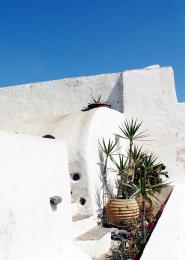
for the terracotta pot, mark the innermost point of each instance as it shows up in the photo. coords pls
(148, 206)
(122, 211)
(95, 105)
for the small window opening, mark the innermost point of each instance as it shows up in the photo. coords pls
(75, 176)
(49, 136)
(82, 201)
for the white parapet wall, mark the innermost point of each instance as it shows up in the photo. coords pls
(59, 97)
(33, 170)
(168, 238)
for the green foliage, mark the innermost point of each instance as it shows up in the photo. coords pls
(137, 172)
(131, 130)
(108, 149)
(97, 100)
(136, 168)
(132, 245)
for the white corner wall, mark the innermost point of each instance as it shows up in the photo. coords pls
(168, 238)
(149, 96)
(32, 170)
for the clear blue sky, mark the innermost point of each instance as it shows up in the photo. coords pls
(44, 40)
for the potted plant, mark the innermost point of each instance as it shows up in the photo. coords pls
(147, 184)
(119, 209)
(138, 176)
(95, 103)
(155, 175)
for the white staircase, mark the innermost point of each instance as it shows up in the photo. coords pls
(94, 241)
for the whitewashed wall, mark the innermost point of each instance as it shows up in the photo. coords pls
(168, 238)
(32, 170)
(149, 96)
(82, 132)
(59, 97)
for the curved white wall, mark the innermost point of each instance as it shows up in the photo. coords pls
(81, 131)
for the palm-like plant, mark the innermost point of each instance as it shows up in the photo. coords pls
(130, 130)
(137, 172)
(145, 185)
(126, 165)
(108, 149)
(122, 173)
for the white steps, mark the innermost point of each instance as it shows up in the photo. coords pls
(82, 223)
(95, 242)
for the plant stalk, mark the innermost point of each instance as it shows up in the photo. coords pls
(143, 220)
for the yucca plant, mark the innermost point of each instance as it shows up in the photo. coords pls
(130, 130)
(144, 185)
(122, 173)
(138, 173)
(125, 165)
(108, 149)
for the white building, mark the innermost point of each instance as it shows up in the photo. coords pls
(35, 168)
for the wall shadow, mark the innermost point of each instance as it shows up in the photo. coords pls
(116, 96)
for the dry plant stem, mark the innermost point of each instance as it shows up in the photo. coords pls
(103, 196)
(130, 153)
(143, 220)
(107, 190)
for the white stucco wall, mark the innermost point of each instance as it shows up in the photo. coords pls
(32, 170)
(168, 238)
(149, 95)
(59, 97)
(81, 131)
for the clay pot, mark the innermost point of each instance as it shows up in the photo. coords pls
(148, 206)
(122, 211)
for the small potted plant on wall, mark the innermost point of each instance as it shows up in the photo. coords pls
(95, 103)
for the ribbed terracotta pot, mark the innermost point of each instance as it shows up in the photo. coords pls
(122, 211)
(148, 206)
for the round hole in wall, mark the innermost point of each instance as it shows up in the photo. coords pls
(49, 136)
(82, 201)
(75, 176)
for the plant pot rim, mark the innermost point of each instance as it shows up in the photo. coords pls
(122, 199)
(98, 105)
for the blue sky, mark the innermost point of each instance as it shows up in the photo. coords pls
(45, 40)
